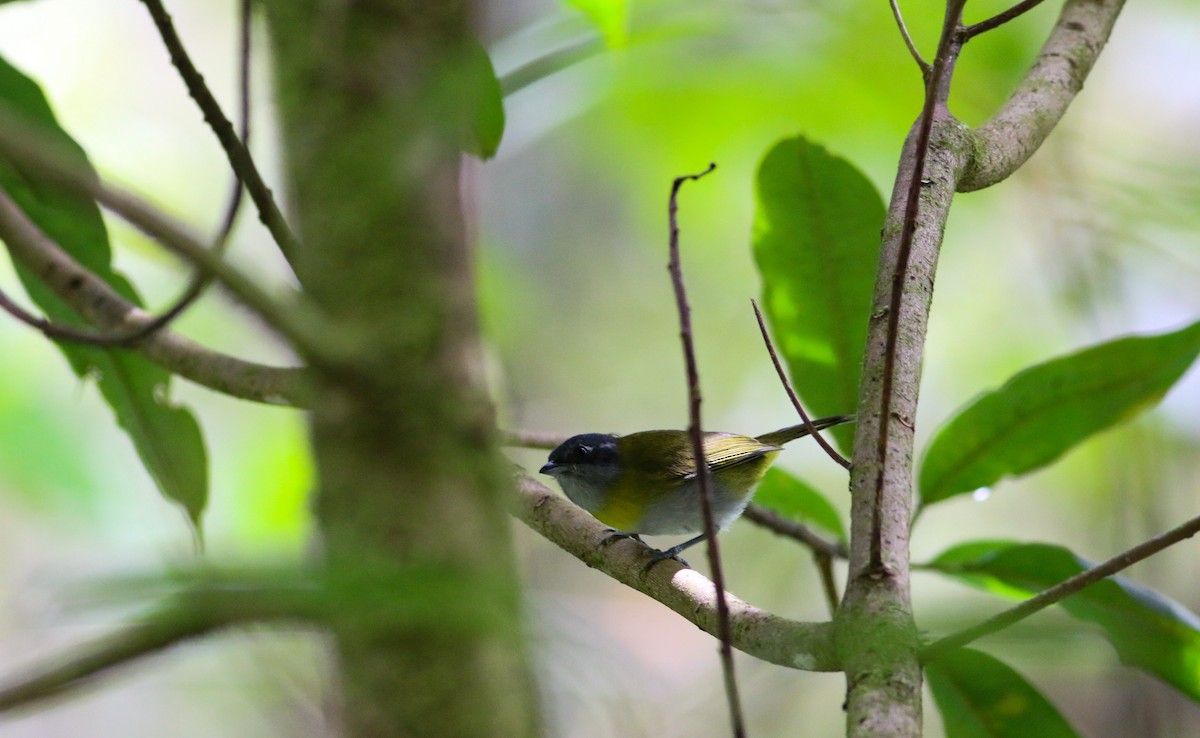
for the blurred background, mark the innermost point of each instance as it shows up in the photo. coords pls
(1094, 238)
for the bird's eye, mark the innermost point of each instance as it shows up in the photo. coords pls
(585, 451)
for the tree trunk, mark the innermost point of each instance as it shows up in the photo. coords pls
(411, 500)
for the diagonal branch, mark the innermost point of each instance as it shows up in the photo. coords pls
(912, 48)
(998, 20)
(1021, 125)
(806, 646)
(239, 156)
(1061, 591)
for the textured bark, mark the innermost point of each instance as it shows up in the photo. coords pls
(411, 485)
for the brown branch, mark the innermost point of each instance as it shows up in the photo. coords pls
(237, 153)
(908, 42)
(703, 474)
(807, 646)
(998, 20)
(776, 523)
(1061, 591)
(791, 393)
(99, 304)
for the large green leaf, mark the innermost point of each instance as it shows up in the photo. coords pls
(816, 241)
(981, 697)
(1044, 411)
(166, 437)
(797, 500)
(1148, 630)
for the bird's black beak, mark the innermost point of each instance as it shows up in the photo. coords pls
(550, 468)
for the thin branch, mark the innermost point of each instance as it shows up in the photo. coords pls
(1022, 124)
(791, 393)
(551, 63)
(201, 280)
(99, 304)
(238, 155)
(829, 586)
(703, 474)
(912, 48)
(1062, 590)
(188, 616)
(776, 523)
(936, 90)
(798, 645)
(973, 30)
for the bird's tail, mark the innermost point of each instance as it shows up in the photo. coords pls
(792, 432)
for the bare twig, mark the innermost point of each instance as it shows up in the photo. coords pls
(776, 523)
(912, 48)
(973, 30)
(703, 474)
(936, 90)
(99, 304)
(201, 280)
(828, 583)
(239, 156)
(1062, 590)
(791, 393)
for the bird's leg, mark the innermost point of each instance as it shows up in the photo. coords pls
(672, 553)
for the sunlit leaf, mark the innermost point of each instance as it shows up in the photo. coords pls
(1044, 411)
(610, 16)
(1148, 630)
(797, 500)
(981, 697)
(166, 437)
(816, 241)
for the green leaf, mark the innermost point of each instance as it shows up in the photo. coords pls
(797, 500)
(1148, 630)
(611, 17)
(1044, 411)
(166, 437)
(981, 697)
(816, 241)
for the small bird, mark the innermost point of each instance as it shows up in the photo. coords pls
(646, 482)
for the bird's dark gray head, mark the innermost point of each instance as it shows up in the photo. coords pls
(584, 452)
